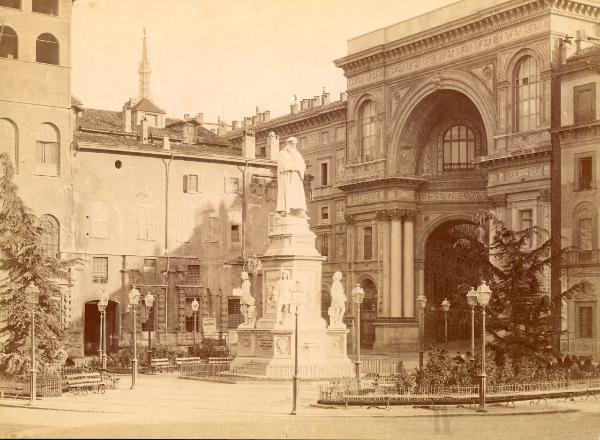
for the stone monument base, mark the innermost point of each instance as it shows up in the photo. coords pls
(270, 353)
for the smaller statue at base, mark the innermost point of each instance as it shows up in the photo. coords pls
(282, 293)
(338, 302)
(251, 313)
(246, 300)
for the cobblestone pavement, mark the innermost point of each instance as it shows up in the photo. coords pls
(166, 406)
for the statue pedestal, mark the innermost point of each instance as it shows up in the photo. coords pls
(269, 348)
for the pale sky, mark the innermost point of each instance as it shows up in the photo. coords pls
(221, 57)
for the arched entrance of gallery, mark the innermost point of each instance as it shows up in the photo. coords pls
(91, 329)
(449, 270)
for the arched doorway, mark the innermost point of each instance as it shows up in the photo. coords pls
(449, 270)
(368, 314)
(91, 333)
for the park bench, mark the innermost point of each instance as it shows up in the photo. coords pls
(13, 388)
(185, 361)
(219, 360)
(160, 364)
(84, 382)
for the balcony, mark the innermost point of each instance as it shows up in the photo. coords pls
(574, 258)
(459, 166)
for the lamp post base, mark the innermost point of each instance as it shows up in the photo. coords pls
(32, 386)
(133, 373)
(481, 408)
(357, 366)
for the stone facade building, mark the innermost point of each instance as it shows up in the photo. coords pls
(580, 149)
(446, 113)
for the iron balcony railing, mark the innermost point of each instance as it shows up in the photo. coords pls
(581, 257)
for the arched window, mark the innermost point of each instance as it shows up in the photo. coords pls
(368, 132)
(458, 146)
(9, 139)
(50, 236)
(585, 227)
(47, 152)
(45, 6)
(9, 43)
(46, 49)
(526, 94)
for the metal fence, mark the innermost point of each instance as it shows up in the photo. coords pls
(379, 365)
(387, 386)
(45, 386)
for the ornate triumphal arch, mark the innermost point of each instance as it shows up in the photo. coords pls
(447, 113)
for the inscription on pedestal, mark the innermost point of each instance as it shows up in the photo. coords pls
(264, 344)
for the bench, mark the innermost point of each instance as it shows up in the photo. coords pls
(84, 382)
(182, 362)
(219, 360)
(14, 388)
(160, 364)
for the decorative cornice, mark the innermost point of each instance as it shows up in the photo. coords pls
(513, 156)
(411, 182)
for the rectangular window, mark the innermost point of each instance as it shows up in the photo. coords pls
(324, 214)
(585, 234)
(191, 183)
(211, 228)
(324, 173)
(193, 273)
(325, 137)
(323, 244)
(235, 233)
(584, 103)
(367, 243)
(234, 315)
(585, 321)
(184, 228)
(526, 222)
(232, 185)
(99, 220)
(100, 270)
(302, 142)
(146, 223)
(46, 157)
(149, 271)
(11, 3)
(45, 6)
(585, 173)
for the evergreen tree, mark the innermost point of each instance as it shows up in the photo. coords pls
(24, 262)
(519, 313)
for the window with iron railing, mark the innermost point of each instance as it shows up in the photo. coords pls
(100, 270)
(458, 148)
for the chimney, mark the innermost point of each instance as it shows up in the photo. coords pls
(235, 125)
(166, 143)
(580, 36)
(186, 116)
(294, 108)
(325, 97)
(248, 144)
(272, 150)
(343, 96)
(127, 117)
(254, 120)
(316, 101)
(257, 110)
(144, 131)
(267, 114)
(200, 118)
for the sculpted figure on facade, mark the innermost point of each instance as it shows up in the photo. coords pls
(282, 293)
(291, 167)
(246, 299)
(338, 301)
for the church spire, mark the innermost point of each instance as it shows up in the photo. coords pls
(144, 72)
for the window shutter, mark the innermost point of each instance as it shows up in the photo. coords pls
(185, 183)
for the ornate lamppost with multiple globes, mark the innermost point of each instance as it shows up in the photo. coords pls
(134, 299)
(298, 298)
(472, 301)
(102, 304)
(149, 302)
(422, 300)
(483, 298)
(358, 294)
(195, 307)
(33, 294)
(445, 308)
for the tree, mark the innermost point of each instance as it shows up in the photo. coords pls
(514, 262)
(24, 263)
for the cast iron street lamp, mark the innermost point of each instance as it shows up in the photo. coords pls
(195, 307)
(483, 298)
(298, 300)
(134, 299)
(102, 304)
(472, 301)
(149, 301)
(422, 300)
(34, 292)
(445, 308)
(358, 294)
